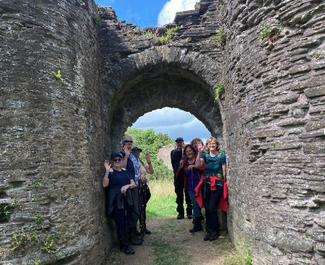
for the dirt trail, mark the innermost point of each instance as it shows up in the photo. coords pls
(171, 243)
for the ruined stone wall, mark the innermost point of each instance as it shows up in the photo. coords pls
(54, 134)
(50, 132)
(274, 125)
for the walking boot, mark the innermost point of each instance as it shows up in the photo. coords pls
(189, 214)
(214, 236)
(180, 216)
(133, 239)
(207, 236)
(127, 249)
(197, 226)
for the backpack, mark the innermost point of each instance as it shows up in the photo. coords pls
(220, 153)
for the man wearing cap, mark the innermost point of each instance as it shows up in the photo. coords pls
(176, 156)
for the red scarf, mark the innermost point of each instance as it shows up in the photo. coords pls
(223, 202)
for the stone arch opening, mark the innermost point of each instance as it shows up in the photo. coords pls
(168, 77)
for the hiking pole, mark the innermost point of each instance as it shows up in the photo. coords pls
(126, 217)
(142, 210)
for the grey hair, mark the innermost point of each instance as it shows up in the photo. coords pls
(125, 137)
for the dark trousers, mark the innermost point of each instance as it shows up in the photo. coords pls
(136, 201)
(122, 220)
(211, 201)
(179, 190)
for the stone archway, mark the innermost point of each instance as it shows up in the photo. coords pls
(162, 76)
(55, 128)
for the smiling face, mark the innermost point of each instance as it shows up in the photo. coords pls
(212, 144)
(116, 162)
(189, 152)
(128, 142)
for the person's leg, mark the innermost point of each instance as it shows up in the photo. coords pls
(134, 217)
(179, 187)
(197, 217)
(207, 193)
(120, 219)
(189, 205)
(213, 206)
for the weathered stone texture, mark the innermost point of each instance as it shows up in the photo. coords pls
(50, 133)
(279, 86)
(55, 134)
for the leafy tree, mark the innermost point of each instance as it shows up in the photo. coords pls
(151, 142)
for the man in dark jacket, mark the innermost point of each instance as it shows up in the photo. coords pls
(176, 156)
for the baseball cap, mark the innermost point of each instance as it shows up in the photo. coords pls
(134, 149)
(179, 139)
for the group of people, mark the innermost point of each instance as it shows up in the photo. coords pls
(199, 173)
(127, 193)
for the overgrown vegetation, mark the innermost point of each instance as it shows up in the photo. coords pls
(57, 75)
(164, 38)
(5, 212)
(241, 256)
(218, 39)
(150, 142)
(219, 91)
(265, 32)
(97, 20)
(39, 238)
(81, 2)
(269, 34)
(38, 183)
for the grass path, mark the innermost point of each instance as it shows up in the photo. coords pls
(172, 244)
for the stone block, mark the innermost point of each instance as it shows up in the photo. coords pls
(315, 91)
(293, 243)
(270, 133)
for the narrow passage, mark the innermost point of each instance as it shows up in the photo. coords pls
(171, 243)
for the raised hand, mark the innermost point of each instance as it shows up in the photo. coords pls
(127, 150)
(200, 146)
(107, 165)
(148, 159)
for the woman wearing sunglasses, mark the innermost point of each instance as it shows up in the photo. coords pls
(130, 162)
(118, 183)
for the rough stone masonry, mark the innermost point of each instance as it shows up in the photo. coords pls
(73, 77)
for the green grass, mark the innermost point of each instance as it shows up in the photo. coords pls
(162, 202)
(166, 253)
(240, 256)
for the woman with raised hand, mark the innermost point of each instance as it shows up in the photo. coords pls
(118, 183)
(214, 177)
(144, 188)
(192, 175)
(130, 162)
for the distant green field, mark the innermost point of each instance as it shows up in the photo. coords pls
(162, 202)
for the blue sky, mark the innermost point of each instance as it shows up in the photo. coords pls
(152, 13)
(148, 13)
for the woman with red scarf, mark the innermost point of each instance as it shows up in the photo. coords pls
(192, 176)
(214, 186)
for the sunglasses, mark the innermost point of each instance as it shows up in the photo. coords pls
(117, 160)
(128, 141)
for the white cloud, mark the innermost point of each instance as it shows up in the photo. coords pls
(174, 122)
(167, 14)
